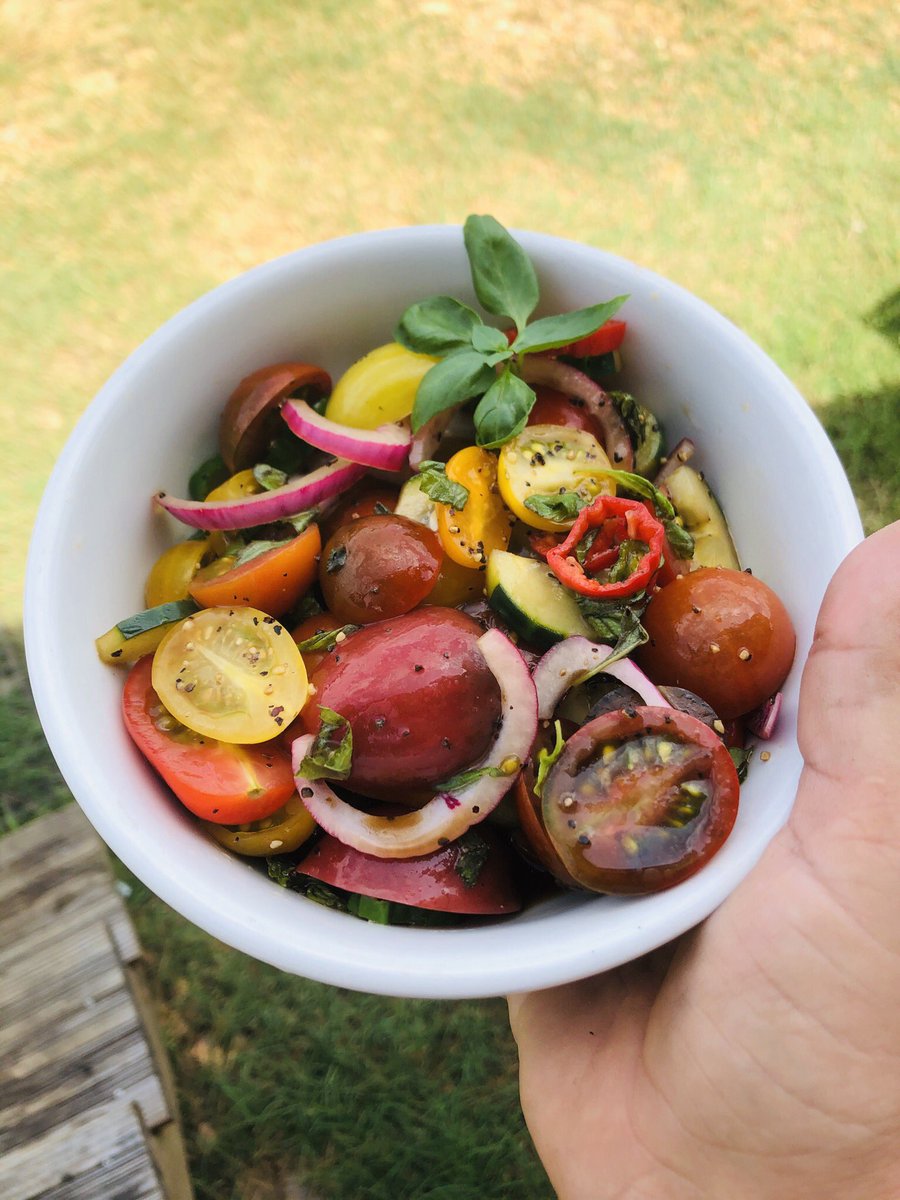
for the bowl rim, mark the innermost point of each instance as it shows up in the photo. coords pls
(418, 974)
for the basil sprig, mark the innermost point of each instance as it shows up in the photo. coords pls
(434, 483)
(471, 351)
(331, 753)
(561, 506)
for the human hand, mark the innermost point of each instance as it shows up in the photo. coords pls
(759, 1057)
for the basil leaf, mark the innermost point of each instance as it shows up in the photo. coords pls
(741, 759)
(503, 410)
(473, 853)
(561, 507)
(456, 783)
(450, 383)
(302, 520)
(336, 559)
(254, 550)
(488, 340)
(330, 754)
(546, 759)
(434, 483)
(680, 540)
(617, 623)
(551, 332)
(326, 640)
(268, 477)
(309, 606)
(437, 326)
(502, 274)
(208, 476)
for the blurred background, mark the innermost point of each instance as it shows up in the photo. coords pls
(151, 150)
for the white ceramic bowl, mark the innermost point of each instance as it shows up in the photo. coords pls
(782, 488)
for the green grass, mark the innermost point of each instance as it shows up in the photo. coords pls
(151, 150)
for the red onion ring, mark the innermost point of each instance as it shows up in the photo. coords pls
(445, 817)
(547, 372)
(386, 447)
(297, 494)
(576, 659)
(425, 443)
(764, 719)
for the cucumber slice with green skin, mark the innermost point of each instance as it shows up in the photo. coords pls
(136, 636)
(703, 519)
(645, 432)
(413, 504)
(531, 600)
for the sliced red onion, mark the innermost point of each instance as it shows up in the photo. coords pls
(574, 660)
(679, 456)
(425, 443)
(762, 722)
(386, 447)
(445, 817)
(547, 372)
(297, 494)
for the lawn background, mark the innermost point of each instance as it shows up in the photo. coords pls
(149, 151)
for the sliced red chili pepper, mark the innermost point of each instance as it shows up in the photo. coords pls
(616, 520)
(604, 340)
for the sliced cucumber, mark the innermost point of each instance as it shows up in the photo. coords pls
(532, 601)
(703, 519)
(136, 636)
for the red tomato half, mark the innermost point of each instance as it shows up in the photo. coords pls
(431, 881)
(556, 408)
(639, 800)
(223, 783)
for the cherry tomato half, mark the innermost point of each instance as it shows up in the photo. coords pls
(639, 800)
(378, 567)
(364, 499)
(251, 414)
(722, 634)
(431, 882)
(272, 581)
(218, 781)
(283, 831)
(556, 408)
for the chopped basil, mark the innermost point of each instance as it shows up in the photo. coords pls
(434, 483)
(331, 753)
(281, 871)
(268, 477)
(381, 510)
(457, 782)
(207, 476)
(741, 759)
(561, 507)
(546, 759)
(472, 853)
(336, 559)
(616, 622)
(326, 640)
(255, 549)
(152, 618)
(302, 520)
(309, 606)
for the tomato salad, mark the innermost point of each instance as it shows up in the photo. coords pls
(456, 630)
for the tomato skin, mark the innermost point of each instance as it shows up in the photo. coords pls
(733, 611)
(212, 779)
(430, 882)
(531, 822)
(556, 408)
(616, 807)
(420, 699)
(319, 623)
(469, 534)
(378, 567)
(273, 581)
(251, 412)
(360, 501)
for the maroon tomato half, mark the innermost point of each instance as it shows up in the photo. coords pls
(420, 699)
(432, 881)
(722, 634)
(378, 567)
(364, 499)
(639, 800)
(223, 783)
(531, 821)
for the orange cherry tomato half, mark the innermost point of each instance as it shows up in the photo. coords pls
(273, 581)
(218, 781)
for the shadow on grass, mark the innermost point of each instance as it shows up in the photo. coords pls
(30, 783)
(865, 431)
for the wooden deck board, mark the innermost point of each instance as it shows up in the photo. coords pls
(87, 1110)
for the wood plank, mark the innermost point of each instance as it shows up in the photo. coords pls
(87, 1104)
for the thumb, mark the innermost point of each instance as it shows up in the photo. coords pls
(847, 815)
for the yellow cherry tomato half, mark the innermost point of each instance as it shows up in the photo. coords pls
(172, 573)
(378, 388)
(280, 833)
(242, 484)
(234, 674)
(470, 534)
(547, 460)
